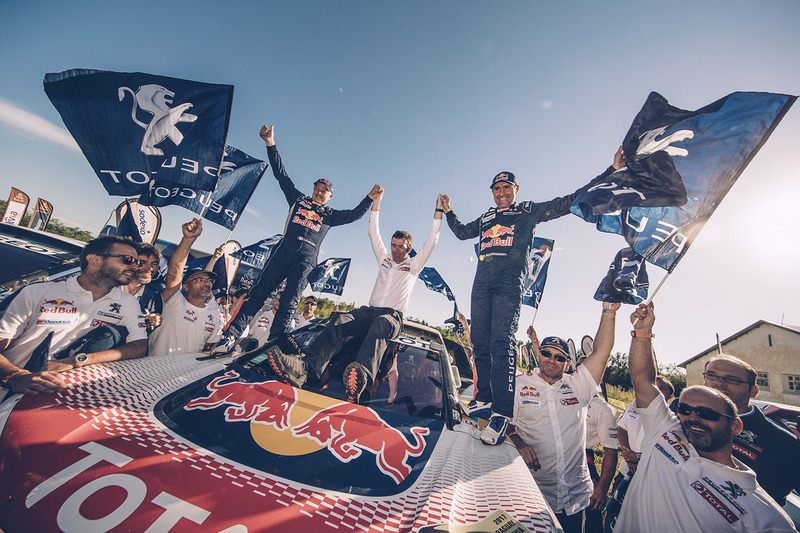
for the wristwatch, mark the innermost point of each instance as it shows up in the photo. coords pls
(80, 360)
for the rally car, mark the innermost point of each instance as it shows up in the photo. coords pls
(188, 443)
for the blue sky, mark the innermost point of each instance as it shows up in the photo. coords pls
(428, 97)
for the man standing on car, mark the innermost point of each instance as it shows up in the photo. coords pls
(770, 450)
(377, 323)
(188, 320)
(687, 479)
(505, 233)
(295, 256)
(549, 427)
(70, 309)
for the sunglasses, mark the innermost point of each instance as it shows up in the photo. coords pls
(703, 412)
(730, 380)
(127, 259)
(557, 357)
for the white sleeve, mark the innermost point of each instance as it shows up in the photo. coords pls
(18, 314)
(378, 247)
(607, 426)
(419, 260)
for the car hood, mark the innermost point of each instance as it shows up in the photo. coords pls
(162, 443)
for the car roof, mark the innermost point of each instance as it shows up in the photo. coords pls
(28, 251)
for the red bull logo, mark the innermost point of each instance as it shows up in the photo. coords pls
(58, 305)
(344, 429)
(308, 218)
(494, 236)
(347, 430)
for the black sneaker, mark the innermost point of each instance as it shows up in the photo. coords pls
(290, 369)
(355, 381)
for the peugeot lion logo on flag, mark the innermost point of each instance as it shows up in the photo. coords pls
(154, 99)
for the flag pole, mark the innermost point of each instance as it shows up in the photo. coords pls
(113, 211)
(650, 298)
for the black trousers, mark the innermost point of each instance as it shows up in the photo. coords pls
(378, 325)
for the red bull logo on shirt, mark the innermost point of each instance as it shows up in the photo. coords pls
(58, 305)
(308, 218)
(497, 235)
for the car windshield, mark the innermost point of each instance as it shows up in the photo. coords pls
(408, 382)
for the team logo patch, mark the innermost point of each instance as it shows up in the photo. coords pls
(58, 306)
(677, 443)
(746, 452)
(666, 454)
(154, 99)
(569, 401)
(715, 502)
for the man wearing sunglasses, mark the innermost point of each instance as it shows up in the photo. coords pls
(73, 310)
(687, 478)
(549, 425)
(770, 450)
(188, 321)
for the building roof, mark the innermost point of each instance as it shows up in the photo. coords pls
(787, 327)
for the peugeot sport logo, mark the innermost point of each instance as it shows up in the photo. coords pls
(155, 99)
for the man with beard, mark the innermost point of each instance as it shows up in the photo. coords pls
(770, 450)
(70, 309)
(377, 323)
(549, 426)
(188, 322)
(696, 485)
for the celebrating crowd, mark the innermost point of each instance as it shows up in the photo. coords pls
(714, 464)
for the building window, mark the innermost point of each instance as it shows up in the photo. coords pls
(762, 380)
(793, 384)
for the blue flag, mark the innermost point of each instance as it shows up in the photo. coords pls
(329, 276)
(256, 255)
(432, 280)
(680, 166)
(135, 127)
(536, 273)
(626, 281)
(127, 226)
(238, 179)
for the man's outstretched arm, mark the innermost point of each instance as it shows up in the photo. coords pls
(641, 360)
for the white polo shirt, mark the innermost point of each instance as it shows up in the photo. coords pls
(184, 327)
(601, 424)
(552, 419)
(396, 280)
(261, 325)
(630, 422)
(675, 489)
(69, 311)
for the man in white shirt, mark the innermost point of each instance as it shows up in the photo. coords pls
(188, 322)
(687, 479)
(549, 425)
(302, 319)
(377, 323)
(69, 309)
(259, 328)
(601, 428)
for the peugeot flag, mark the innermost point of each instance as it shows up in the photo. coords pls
(536, 274)
(256, 255)
(135, 127)
(681, 165)
(434, 281)
(626, 281)
(329, 276)
(238, 179)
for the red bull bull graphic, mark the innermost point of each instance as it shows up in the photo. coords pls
(347, 429)
(300, 435)
(494, 236)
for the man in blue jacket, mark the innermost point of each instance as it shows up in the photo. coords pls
(505, 234)
(295, 256)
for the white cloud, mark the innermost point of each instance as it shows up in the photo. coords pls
(547, 104)
(35, 125)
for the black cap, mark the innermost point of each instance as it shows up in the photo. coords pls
(504, 176)
(557, 343)
(192, 272)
